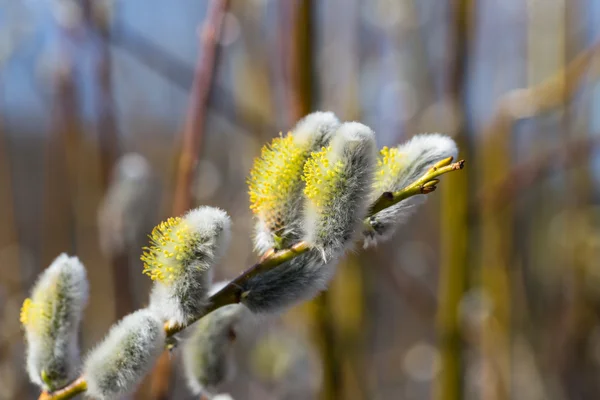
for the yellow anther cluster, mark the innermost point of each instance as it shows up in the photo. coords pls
(322, 177)
(389, 164)
(26, 311)
(36, 315)
(172, 245)
(274, 179)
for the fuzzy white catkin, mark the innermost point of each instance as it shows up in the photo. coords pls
(51, 320)
(290, 283)
(310, 134)
(184, 297)
(118, 364)
(413, 159)
(207, 353)
(332, 217)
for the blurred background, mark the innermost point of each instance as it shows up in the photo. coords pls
(115, 114)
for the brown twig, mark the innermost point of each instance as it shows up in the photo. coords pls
(192, 134)
(194, 125)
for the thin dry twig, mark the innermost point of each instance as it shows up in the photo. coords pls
(194, 125)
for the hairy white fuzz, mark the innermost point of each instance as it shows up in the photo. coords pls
(181, 259)
(118, 364)
(338, 181)
(51, 320)
(397, 168)
(290, 283)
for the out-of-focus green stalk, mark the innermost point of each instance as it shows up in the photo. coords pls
(495, 257)
(453, 279)
(454, 223)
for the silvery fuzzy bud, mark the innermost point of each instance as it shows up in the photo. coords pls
(290, 283)
(287, 363)
(275, 184)
(51, 320)
(127, 205)
(207, 353)
(397, 168)
(180, 261)
(338, 181)
(118, 364)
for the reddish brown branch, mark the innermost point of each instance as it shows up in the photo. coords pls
(194, 124)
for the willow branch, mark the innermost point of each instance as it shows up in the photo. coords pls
(232, 293)
(78, 386)
(425, 184)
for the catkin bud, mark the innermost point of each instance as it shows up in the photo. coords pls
(179, 260)
(127, 206)
(275, 184)
(207, 353)
(338, 180)
(397, 168)
(117, 365)
(292, 282)
(51, 320)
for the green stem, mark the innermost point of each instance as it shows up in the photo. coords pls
(76, 387)
(425, 184)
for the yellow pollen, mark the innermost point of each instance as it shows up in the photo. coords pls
(389, 165)
(36, 315)
(322, 177)
(275, 179)
(172, 245)
(26, 312)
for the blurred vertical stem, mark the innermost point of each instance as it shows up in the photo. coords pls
(191, 140)
(11, 270)
(108, 141)
(580, 318)
(60, 181)
(454, 221)
(495, 256)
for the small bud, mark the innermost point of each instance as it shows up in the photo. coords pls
(292, 282)
(275, 184)
(180, 259)
(397, 168)
(338, 180)
(117, 365)
(207, 353)
(51, 320)
(127, 206)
